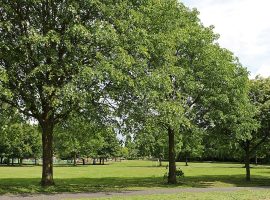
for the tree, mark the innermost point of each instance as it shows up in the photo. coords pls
(259, 95)
(246, 127)
(188, 78)
(111, 145)
(152, 142)
(53, 53)
(82, 137)
(5, 114)
(77, 136)
(191, 143)
(19, 139)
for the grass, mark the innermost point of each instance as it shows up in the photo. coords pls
(128, 175)
(239, 195)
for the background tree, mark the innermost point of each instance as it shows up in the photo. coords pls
(19, 139)
(260, 98)
(151, 142)
(81, 137)
(191, 143)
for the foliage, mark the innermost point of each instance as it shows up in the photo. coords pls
(19, 139)
(79, 137)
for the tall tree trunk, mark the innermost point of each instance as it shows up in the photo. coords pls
(83, 161)
(21, 161)
(94, 161)
(172, 165)
(1, 160)
(47, 153)
(247, 165)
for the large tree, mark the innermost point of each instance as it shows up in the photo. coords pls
(53, 53)
(189, 79)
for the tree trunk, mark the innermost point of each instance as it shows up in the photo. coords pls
(74, 159)
(1, 160)
(160, 162)
(100, 161)
(83, 161)
(35, 161)
(94, 161)
(103, 159)
(247, 165)
(21, 161)
(256, 159)
(172, 165)
(186, 160)
(12, 161)
(47, 153)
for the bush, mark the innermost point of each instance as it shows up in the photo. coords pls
(179, 174)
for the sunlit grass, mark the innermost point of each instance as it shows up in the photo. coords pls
(128, 175)
(239, 195)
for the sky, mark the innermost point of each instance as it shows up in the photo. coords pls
(244, 28)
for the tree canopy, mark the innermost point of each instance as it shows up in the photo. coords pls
(146, 65)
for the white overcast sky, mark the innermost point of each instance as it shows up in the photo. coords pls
(244, 28)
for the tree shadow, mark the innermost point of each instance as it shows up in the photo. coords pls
(75, 185)
(19, 166)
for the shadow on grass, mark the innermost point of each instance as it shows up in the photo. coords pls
(19, 166)
(74, 185)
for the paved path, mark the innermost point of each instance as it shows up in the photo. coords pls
(124, 193)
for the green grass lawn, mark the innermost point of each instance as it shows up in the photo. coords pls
(128, 175)
(239, 195)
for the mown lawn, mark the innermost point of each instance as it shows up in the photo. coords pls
(128, 175)
(239, 195)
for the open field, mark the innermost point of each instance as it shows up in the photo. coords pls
(239, 195)
(128, 175)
